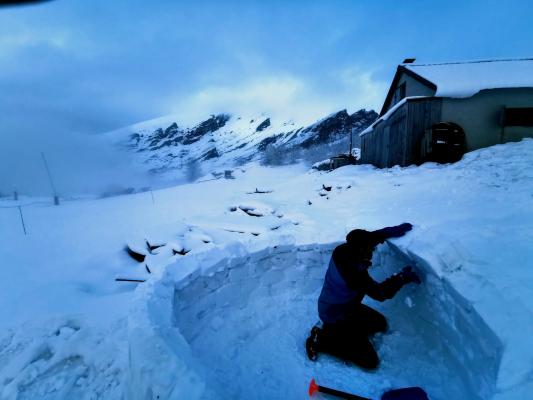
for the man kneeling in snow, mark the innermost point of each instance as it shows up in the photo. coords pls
(347, 322)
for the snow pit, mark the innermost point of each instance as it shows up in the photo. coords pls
(245, 323)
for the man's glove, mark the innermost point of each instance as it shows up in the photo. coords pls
(405, 227)
(381, 235)
(408, 275)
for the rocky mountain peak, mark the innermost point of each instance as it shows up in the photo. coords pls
(338, 125)
(222, 140)
(263, 125)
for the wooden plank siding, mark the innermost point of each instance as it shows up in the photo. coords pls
(422, 115)
(397, 140)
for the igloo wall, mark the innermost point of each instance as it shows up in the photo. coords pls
(246, 321)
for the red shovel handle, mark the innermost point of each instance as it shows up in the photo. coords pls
(411, 393)
(313, 388)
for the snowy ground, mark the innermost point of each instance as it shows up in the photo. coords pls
(228, 319)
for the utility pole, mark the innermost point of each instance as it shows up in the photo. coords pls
(56, 197)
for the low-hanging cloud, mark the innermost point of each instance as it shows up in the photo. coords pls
(286, 96)
(87, 163)
(79, 164)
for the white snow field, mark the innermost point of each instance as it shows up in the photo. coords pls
(232, 279)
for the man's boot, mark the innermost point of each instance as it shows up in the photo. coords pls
(311, 344)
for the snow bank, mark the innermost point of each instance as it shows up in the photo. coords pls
(62, 357)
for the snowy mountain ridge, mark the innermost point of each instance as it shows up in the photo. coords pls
(227, 140)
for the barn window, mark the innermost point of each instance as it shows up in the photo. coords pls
(518, 116)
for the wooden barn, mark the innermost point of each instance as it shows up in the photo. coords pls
(437, 112)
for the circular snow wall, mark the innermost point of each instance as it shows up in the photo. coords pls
(246, 324)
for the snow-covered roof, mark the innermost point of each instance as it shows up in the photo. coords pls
(464, 79)
(391, 111)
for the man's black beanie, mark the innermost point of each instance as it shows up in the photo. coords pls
(360, 237)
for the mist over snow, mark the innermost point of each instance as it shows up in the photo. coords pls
(79, 164)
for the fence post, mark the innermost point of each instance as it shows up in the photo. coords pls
(22, 220)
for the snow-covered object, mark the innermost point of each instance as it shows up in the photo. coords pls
(464, 79)
(322, 165)
(387, 115)
(139, 246)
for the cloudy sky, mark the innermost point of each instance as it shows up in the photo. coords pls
(70, 69)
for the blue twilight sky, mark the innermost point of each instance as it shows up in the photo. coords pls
(70, 68)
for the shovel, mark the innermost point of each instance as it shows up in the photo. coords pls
(410, 393)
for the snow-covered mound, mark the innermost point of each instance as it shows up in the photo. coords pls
(227, 140)
(233, 269)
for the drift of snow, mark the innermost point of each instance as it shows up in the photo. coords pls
(229, 318)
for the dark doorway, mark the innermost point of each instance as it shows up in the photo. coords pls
(447, 143)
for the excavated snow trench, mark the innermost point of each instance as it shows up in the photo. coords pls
(247, 325)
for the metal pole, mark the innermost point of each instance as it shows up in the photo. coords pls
(56, 198)
(130, 280)
(351, 142)
(22, 220)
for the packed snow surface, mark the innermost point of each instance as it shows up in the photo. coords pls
(233, 274)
